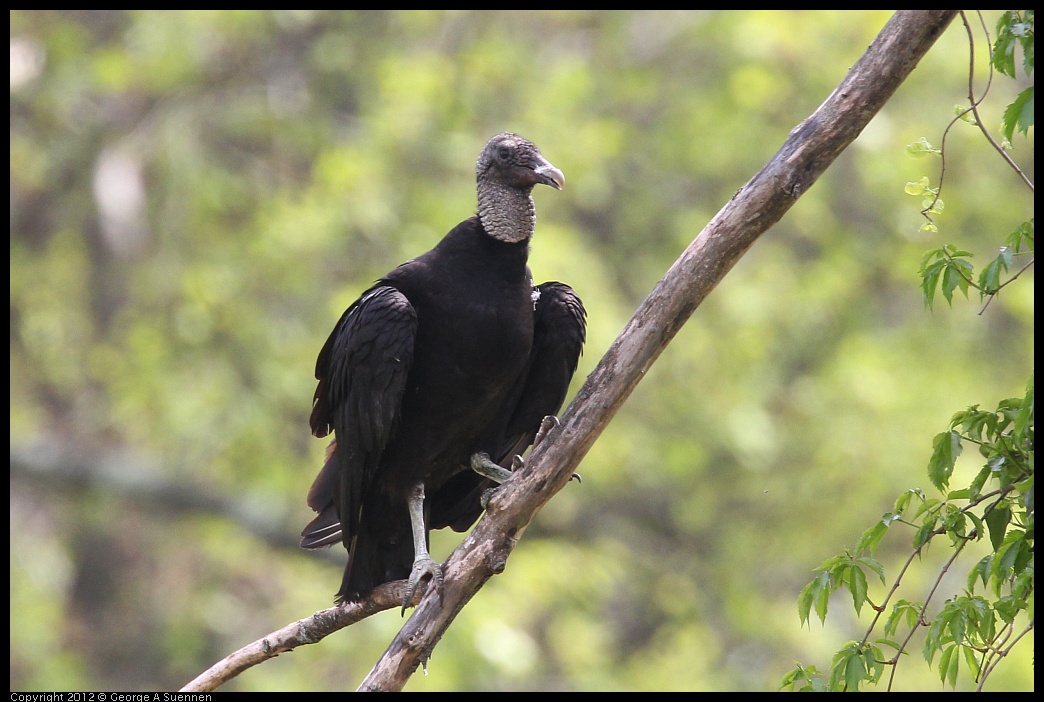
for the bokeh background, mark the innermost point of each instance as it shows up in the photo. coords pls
(196, 197)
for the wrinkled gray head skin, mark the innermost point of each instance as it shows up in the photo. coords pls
(508, 168)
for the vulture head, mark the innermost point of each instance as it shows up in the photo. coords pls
(508, 168)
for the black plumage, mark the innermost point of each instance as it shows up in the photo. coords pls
(450, 358)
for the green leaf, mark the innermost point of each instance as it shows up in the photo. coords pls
(921, 148)
(983, 621)
(1007, 256)
(903, 611)
(972, 661)
(931, 642)
(872, 536)
(933, 205)
(980, 480)
(857, 586)
(855, 672)
(803, 679)
(1013, 554)
(979, 532)
(965, 114)
(952, 280)
(926, 532)
(1004, 53)
(948, 665)
(1019, 114)
(839, 667)
(918, 187)
(1023, 558)
(929, 505)
(1024, 417)
(891, 643)
(957, 621)
(874, 566)
(990, 277)
(980, 571)
(955, 524)
(815, 594)
(805, 601)
(930, 282)
(1013, 27)
(833, 562)
(821, 600)
(949, 264)
(997, 521)
(903, 501)
(946, 447)
(1020, 235)
(955, 252)
(872, 656)
(973, 421)
(1007, 608)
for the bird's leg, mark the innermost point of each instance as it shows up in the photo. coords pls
(423, 565)
(482, 464)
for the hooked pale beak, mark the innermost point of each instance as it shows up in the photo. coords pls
(549, 175)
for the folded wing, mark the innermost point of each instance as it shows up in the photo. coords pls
(362, 371)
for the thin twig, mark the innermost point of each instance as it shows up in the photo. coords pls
(924, 607)
(1002, 654)
(993, 293)
(975, 104)
(306, 631)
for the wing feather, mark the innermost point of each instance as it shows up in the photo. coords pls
(559, 331)
(362, 371)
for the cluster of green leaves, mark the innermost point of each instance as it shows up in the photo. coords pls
(1015, 27)
(931, 203)
(980, 629)
(948, 265)
(948, 268)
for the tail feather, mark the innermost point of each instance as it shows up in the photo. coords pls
(377, 555)
(380, 551)
(324, 530)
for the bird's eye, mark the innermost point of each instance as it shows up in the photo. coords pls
(504, 153)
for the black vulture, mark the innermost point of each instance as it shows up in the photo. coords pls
(436, 378)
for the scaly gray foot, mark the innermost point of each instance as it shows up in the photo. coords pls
(482, 464)
(423, 569)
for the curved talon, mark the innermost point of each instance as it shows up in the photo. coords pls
(423, 568)
(517, 463)
(546, 425)
(576, 477)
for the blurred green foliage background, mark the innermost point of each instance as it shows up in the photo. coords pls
(197, 195)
